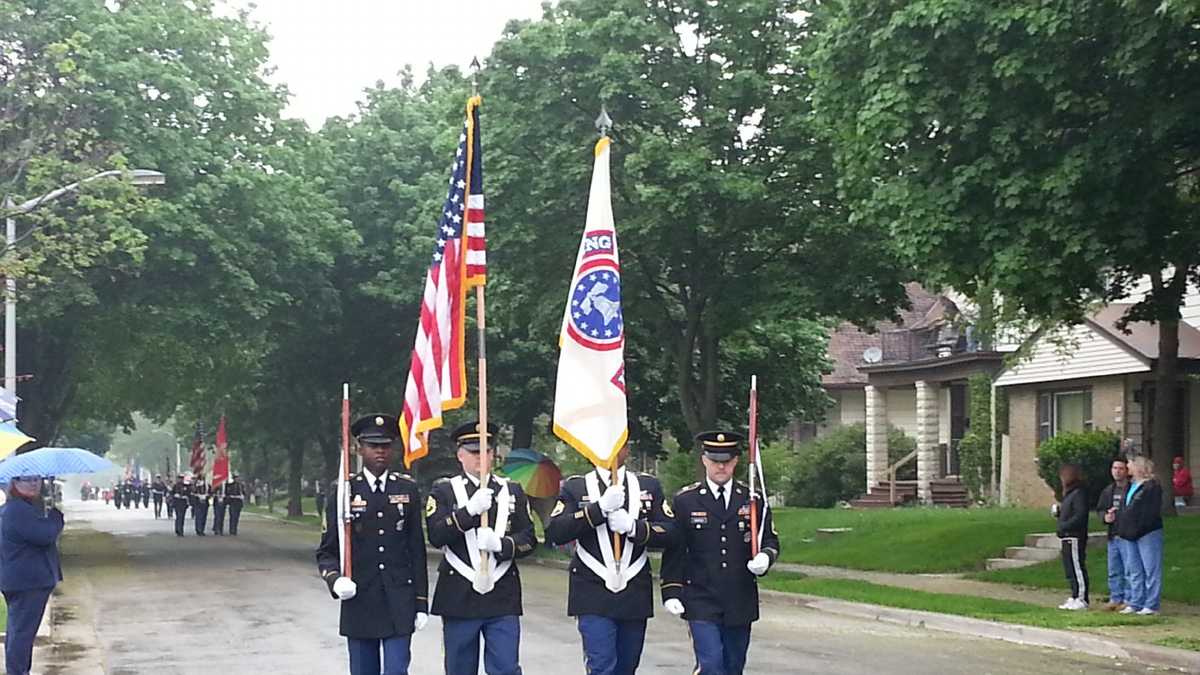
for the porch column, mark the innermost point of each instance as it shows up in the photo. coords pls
(927, 438)
(877, 443)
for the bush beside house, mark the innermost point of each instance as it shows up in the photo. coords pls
(833, 468)
(1093, 450)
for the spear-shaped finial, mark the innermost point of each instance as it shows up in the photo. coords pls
(603, 121)
(475, 76)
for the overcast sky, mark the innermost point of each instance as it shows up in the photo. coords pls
(328, 51)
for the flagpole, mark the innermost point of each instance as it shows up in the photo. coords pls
(753, 463)
(344, 481)
(485, 460)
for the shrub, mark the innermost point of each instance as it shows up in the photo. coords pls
(1093, 450)
(833, 468)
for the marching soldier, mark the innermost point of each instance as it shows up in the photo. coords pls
(610, 596)
(158, 490)
(181, 495)
(710, 578)
(218, 502)
(200, 494)
(386, 598)
(235, 497)
(145, 494)
(471, 599)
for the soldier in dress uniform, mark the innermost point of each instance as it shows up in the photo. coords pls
(235, 498)
(218, 505)
(181, 495)
(158, 490)
(386, 598)
(145, 494)
(610, 597)
(200, 495)
(710, 577)
(472, 605)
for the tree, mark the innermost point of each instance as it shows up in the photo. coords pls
(732, 241)
(1048, 150)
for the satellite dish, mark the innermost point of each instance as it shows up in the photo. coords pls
(872, 355)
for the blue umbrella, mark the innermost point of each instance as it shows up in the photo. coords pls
(52, 462)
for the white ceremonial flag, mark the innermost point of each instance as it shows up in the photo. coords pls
(589, 397)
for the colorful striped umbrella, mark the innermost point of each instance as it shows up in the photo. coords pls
(536, 473)
(11, 438)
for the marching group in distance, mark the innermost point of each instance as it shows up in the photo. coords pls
(187, 492)
(709, 572)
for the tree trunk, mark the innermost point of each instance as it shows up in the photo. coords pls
(1166, 396)
(295, 469)
(522, 430)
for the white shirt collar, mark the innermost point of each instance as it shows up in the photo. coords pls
(728, 489)
(474, 479)
(371, 479)
(606, 475)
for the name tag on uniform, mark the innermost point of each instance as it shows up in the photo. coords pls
(398, 499)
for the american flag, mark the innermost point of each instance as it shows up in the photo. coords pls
(197, 459)
(437, 378)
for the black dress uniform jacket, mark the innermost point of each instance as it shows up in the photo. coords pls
(181, 494)
(707, 570)
(387, 543)
(575, 518)
(454, 595)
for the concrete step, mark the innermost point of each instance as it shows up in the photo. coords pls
(1008, 563)
(1049, 540)
(1030, 553)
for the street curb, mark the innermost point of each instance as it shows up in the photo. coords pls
(1179, 659)
(1164, 657)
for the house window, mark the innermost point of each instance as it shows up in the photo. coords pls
(1064, 411)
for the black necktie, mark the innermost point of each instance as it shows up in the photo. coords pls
(378, 485)
(721, 496)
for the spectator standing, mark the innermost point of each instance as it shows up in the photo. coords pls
(1140, 525)
(1107, 507)
(1181, 480)
(29, 568)
(1073, 531)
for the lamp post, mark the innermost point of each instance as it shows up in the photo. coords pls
(138, 177)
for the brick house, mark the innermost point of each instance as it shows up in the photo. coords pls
(1093, 376)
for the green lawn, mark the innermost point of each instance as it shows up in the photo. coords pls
(947, 603)
(912, 540)
(1181, 566)
(1180, 643)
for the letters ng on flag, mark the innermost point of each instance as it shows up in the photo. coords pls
(589, 397)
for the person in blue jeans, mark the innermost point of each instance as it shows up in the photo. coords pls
(29, 567)
(1140, 527)
(1107, 507)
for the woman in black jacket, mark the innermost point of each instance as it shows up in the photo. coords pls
(1073, 531)
(1140, 526)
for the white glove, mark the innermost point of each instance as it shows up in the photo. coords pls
(345, 588)
(1054, 510)
(674, 606)
(621, 522)
(487, 539)
(421, 620)
(480, 502)
(758, 564)
(612, 499)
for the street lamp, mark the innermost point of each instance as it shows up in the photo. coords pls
(138, 177)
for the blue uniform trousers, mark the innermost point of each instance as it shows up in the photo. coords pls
(720, 649)
(364, 655)
(501, 645)
(25, 610)
(611, 646)
(200, 512)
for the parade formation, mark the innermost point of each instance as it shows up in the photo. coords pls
(716, 536)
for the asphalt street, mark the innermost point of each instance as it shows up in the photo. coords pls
(138, 599)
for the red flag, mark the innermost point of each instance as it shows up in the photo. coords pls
(221, 463)
(197, 461)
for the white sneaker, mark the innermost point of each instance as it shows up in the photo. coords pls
(1067, 603)
(1077, 605)
(1146, 611)
(1129, 610)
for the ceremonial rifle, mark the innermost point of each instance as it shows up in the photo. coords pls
(753, 464)
(343, 493)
